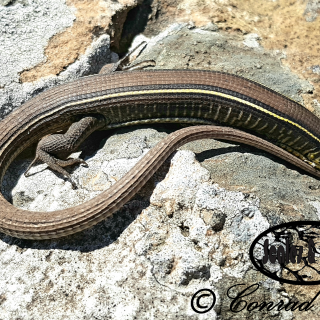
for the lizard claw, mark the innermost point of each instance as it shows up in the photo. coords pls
(124, 64)
(83, 162)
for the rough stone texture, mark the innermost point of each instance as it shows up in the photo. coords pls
(182, 46)
(191, 226)
(22, 45)
(312, 10)
(46, 43)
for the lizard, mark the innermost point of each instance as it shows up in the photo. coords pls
(218, 105)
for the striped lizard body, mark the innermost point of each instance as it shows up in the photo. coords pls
(266, 119)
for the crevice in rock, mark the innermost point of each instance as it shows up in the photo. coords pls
(135, 23)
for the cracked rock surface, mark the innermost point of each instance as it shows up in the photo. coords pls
(190, 227)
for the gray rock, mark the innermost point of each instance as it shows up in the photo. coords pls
(25, 30)
(181, 48)
(312, 10)
(189, 228)
(251, 41)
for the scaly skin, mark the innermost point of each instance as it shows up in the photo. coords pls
(127, 98)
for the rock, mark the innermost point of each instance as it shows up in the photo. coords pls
(49, 43)
(190, 227)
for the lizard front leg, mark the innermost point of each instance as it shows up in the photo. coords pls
(62, 145)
